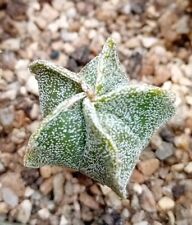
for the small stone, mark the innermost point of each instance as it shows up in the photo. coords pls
(138, 216)
(8, 75)
(45, 171)
(114, 200)
(22, 71)
(137, 177)
(54, 54)
(165, 150)
(2, 167)
(116, 36)
(147, 200)
(183, 142)
(69, 36)
(60, 23)
(34, 113)
(125, 213)
(86, 214)
(188, 168)
(156, 141)
(11, 44)
(141, 223)
(32, 86)
(95, 189)
(178, 190)
(7, 116)
(28, 192)
(47, 186)
(63, 221)
(4, 208)
(148, 42)
(133, 43)
(48, 13)
(58, 191)
(126, 8)
(166, 203)
(157, 223)
(69, 188)
(137, 188)
(9, 197)
(148, 167)
(106, 190)
(24, 211)
(162, 74)
(8, 181)
(182, 25)
(11, 91)
(18, 135)
(88, 201)
(44, 213)
(33, 126)
(178, 167)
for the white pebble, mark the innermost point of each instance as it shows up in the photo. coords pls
(188, 168)
(166, 203)
(32, 85)
(24, 211)
(44, 213)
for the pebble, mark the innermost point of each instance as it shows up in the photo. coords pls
(7, 116)
(137, 188)
(138, 216)
(188, 168)
(45, 171)
(58, 192)
(35, 112)
(88, 201)
(9, 197)
(137, 177)
(148, 167)
(125, 213)
(21, 69)
(48, 13)
(32, 86)
(12, 44)
(166, 203)
(4, 208)
(106, 190)
(178, 167)
(11, 91)
(28, 192)
(141, 223)
(165, 150)
(2, 167)
(8, 181)
(47, 186)
(148, 42)
(63, 221)
(182, 25)
(24, 211)
(162, 74)
(182, 141)
(69, 189)
(155, 50)
(18, 135)
(44, 213)
(147, 200)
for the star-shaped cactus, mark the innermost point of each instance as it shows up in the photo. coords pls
(95, 122)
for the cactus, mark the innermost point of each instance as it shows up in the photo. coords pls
(95, 121)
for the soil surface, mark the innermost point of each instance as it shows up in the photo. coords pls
(155, 46)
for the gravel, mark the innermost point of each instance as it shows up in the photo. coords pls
(154, 43)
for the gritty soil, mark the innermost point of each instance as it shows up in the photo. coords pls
(155, 46)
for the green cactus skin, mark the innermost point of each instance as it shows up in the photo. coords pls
(95, 121)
